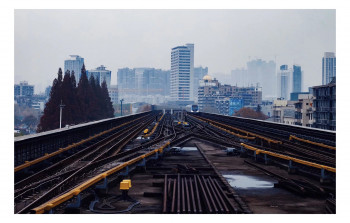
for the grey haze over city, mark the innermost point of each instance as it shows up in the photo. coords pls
(224, 40)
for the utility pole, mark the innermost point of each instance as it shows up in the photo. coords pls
(121, 107)
(61, 106)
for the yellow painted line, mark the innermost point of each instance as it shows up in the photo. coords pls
(77, 190)
(154, 128)
(60, 150)
(232, 133)
(243, 131)
(291, 137)
(304, 162)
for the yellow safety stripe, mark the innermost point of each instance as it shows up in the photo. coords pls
(245, 132)
(60, 150)
(154, 128)
(304, 162)
(291, 137)
(232, 133)
(77, 190)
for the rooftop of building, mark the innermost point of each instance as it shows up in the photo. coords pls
(329, 54)
(24, 83)
(330, 84)
(183, 47)
(100, 68)
(74, 57)
(207, 78)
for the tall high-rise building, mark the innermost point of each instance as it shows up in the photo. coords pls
(328, 67)
(143, 82)
(126, 78)
(239, 77)
(74, 63)
(182, 72)
(262, 73)
(166, 82)
(297, 78)
(101, 74)
(284, 83)
(155, 81)
(199, 73)
(140, 79)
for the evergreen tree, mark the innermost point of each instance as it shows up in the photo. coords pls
(86, 102)
(94, 103)
(73, 80)
(98, 93)
(71, 112)
(75, 103)
(51, 117)
(65, 98)
(83, 95)
(250, 113)
(106, 101)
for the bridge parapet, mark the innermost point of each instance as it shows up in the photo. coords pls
(317, 135)
(31, 147)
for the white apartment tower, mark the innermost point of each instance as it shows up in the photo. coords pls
(328, 67)
(74, 63)
(182, 73)
(284, 82)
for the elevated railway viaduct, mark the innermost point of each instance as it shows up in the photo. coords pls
(193, 165)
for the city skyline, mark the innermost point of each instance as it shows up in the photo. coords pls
(225, 39)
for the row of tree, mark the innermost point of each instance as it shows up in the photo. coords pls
(243, 112)
(87, 101)
(251, 113)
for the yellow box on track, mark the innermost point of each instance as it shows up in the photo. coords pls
(125, 185)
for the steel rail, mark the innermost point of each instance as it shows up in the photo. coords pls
(154, 128)
(274, 128)
(307, 163)
(95, 179)
(310, 153)
(78, 189)
(89, 151)
(53, 191)
(73, 145)
(244, 131)
(291, 137)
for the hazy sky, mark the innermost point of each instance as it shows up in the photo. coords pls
(224, 39)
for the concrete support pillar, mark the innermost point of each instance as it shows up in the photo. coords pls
(325, 178)
(267, 160)
(126, 172)
(243, 153)
(291, 168)
(76, 204)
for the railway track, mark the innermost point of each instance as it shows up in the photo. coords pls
(275, 128)
(82, 147)
(310, 162)
(74, 161)
(93, 162)
(191, 184)
(41, 186)
(196, 187)
(280, 130)
(318, 155)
